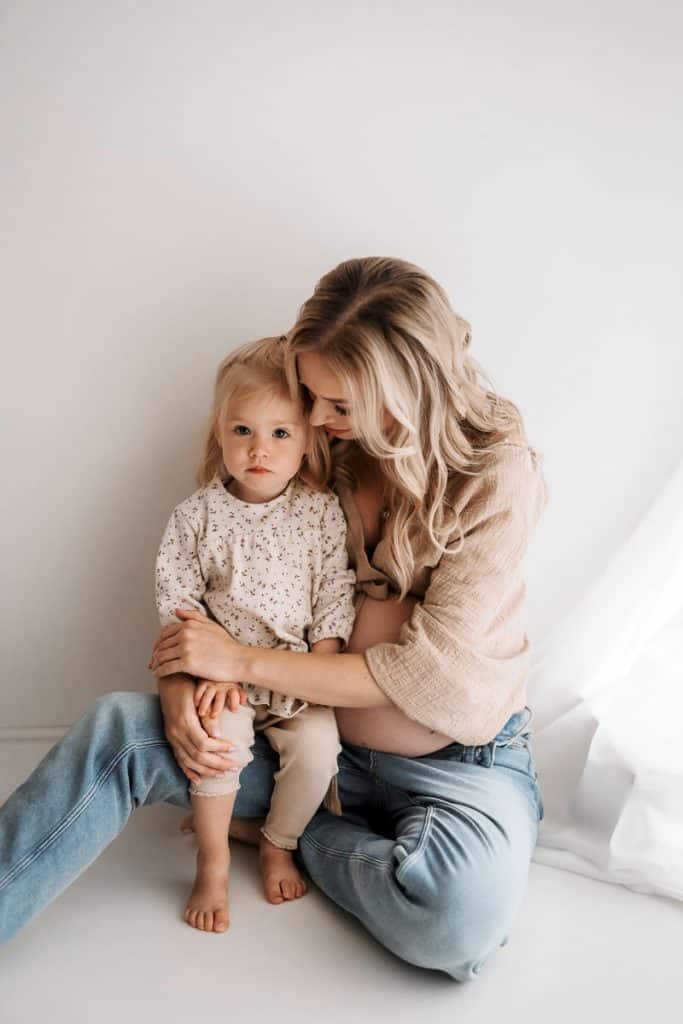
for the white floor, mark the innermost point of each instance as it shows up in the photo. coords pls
(114, 946)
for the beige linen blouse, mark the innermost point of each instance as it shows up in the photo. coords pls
(461, 662)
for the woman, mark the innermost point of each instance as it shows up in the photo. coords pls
(438, 791)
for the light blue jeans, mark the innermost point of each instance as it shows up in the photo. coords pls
(431, 855)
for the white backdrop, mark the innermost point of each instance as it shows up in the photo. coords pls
(607, 692)
(176, 176)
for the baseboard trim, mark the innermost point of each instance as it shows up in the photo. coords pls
(33, 732)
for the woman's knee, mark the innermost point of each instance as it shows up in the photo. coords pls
(463, 898)
(122, 716)
(445, 940)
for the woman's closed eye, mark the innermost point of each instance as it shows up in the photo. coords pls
(341, 410)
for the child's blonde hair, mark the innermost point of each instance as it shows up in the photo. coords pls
(258, 368)
(389, 333)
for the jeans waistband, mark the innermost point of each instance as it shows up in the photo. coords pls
(515, 733)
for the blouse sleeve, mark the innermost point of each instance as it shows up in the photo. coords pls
(464, 648)
(333, 591)
(179, 581)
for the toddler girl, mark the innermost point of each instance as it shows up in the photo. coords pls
(261, 549)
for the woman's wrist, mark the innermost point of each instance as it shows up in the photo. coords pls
(336, 680)
(165, 682)
(248, 667)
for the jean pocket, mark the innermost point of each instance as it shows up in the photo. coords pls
(515, 754)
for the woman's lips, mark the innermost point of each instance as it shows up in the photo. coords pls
(337, 433)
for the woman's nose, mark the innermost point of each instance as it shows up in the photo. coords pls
(318, 414)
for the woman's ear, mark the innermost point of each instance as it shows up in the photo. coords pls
(388, 421)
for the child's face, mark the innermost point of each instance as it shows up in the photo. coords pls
(263, 440)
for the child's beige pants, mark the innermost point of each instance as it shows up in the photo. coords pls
(308, 745)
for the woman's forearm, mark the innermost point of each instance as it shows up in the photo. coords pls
(337, 680)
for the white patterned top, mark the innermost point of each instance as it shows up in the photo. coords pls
(273, 574)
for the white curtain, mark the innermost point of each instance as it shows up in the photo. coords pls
(607, 695)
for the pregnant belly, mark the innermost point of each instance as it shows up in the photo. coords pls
(386, 729)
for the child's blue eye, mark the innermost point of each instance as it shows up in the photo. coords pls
(241, 430)
(281, 432)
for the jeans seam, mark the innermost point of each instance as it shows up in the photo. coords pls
(411, 859)
(344, 855)
(353, 771)
(76, 811)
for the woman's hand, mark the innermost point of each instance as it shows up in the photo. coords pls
(198, 754)
(198, 647)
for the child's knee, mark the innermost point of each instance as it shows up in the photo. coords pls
(319, 738)
(235, 726)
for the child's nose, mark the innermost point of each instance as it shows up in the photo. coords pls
(259, 449)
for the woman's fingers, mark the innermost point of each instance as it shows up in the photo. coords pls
(170, 641)
(190, 767)
(190, 613)
(170, 627)
(162, 657)
(210, 765)
(205, 750)
(170, 668)
(234, 702)
(167, 633)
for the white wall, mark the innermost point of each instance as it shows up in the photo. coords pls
(178, 175)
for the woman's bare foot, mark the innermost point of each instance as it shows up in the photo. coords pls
(281, 879)
(246, 830)
(207, 907)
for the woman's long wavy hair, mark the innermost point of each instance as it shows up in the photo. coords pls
(258, 368)
(389, 333)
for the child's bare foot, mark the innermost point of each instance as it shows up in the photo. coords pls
(281, 879)
(207, 907)
(187, 824)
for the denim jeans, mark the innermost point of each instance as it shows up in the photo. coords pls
(431, 854)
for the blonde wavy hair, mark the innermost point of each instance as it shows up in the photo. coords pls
(387, 330)
(258, 368)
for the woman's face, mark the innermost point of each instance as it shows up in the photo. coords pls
(331, 405)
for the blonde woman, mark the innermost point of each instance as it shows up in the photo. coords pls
(439, 798)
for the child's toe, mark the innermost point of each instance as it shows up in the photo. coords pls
(273, 891)
(220, 921)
